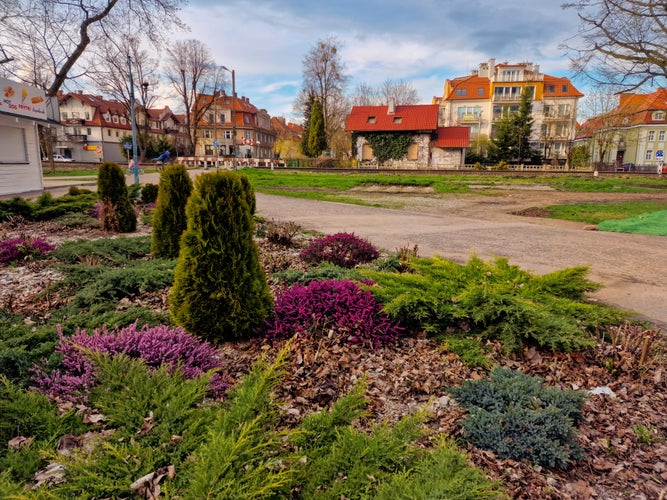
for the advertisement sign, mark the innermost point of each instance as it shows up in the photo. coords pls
(21, 99)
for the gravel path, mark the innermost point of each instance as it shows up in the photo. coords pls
(632, 268)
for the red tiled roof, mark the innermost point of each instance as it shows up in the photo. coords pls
(558, 83)
(405, 118)
(453, 137)
(468, 87)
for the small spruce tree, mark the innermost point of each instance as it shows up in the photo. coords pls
(220, 291)
(169, 219)
(317, 139)
(118, 212)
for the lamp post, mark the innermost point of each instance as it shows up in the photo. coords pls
(233, 115)
(135, 161)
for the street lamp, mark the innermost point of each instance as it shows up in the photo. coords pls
(135, 161)
(233, 114)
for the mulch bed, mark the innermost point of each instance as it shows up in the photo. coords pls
(624, 435)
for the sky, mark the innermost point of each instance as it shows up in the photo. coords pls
(421, 42)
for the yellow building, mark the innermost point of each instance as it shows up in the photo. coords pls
(480, 99)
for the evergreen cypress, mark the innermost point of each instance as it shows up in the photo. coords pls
(169, 219)
(317, 138)
(220, 291)
(117, 210)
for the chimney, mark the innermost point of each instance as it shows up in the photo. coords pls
(391, 106)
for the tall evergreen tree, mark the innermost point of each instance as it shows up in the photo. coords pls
(317, 138)
(512, 136)
(220, 291)
(305, 137)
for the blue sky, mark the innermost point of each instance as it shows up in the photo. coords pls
(265, 41)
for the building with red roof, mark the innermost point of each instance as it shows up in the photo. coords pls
(93, 127)
(431, 146)
(479, 100)
(630, 137)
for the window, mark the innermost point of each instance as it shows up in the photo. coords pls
(564, 110)
(549, 110)
(510, 75)
(246, 119)
(206, 133)
(211, 117)
(398, 119)
(13, 145)
(108, 132)
(461, 92)
(75, 114)
(651, 135)
(551, 89)
(649, 154)
(659, 115)
(413, 151)
(480, 91)
(228, 134)
(506, 93)
(371, 119)
(89, 131)
(122, 120)
(468, 112)
(114, 118)
(564, 89)
(63, 115)
(87, 115)
(661, 136)
(117, 134)
(222, 118)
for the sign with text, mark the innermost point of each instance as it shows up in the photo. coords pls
(21, 99)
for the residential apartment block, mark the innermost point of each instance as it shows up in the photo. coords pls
(226, 116)
(481, 99)
(634, 134)
(92, 126)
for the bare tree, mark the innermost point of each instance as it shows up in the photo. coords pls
(364, 95)
(193, 73)
(324, 77)
(624, 41)
(606, 119)
(47, 38)
(400, 92)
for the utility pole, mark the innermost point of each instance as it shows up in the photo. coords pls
(135, 160)
(233, 115)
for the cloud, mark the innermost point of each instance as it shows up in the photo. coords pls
(421, 43)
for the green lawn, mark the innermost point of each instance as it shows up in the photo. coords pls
(594, 213)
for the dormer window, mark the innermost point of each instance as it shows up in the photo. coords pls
(371, 119)
(659, 115)
(398, 119)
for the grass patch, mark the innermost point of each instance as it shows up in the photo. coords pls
(594, 213)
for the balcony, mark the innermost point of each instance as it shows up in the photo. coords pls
(469, 118)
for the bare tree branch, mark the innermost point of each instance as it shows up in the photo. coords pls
(623, 42)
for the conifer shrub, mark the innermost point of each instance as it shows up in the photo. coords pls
(169, 219)
(341, 307)
(494, 300)
(18, 250)
(149, 193)
(220, 291)
(342, 249)
(117, 211)
(517, 417)
(249, 193)
(156, 346)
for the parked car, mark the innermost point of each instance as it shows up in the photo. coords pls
(58, 157)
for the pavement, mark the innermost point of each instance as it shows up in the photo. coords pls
(632, 268)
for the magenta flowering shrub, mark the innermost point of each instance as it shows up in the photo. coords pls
(343, 307)
(343, 249)
(156, 345)
(19, 249)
